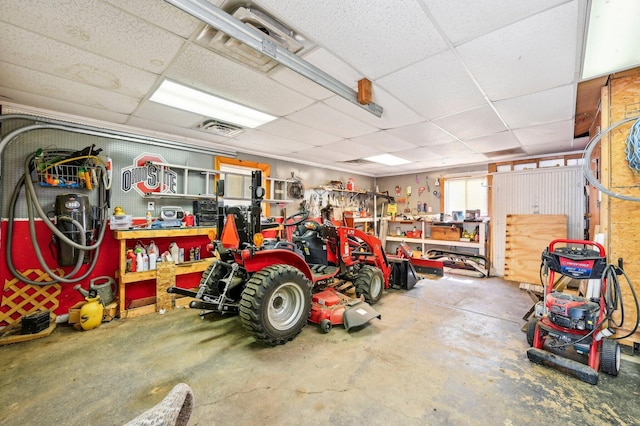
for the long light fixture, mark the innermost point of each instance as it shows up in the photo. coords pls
(388, 160)
(612, 37)
(186, 98)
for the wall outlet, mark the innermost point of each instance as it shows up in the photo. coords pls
(429, 209)
(151, 206)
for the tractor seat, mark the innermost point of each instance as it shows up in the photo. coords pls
(307, 237)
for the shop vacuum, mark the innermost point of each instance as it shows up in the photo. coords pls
(78, 208)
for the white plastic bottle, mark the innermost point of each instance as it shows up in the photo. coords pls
(175, 252)
(153, 260)
(145, 261)
(139, 262)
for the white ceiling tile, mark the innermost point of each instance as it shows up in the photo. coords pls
(394, 113)
(353, 150)
(419, 154)
(561, 132)
(30, 50)
(162, 14)
(375, 36)
(434, 87)
(50, 86)
(320, 116)
(57, 105)
(97, 31)
(452, 149)
(496, 142)
(255, 140)
(555, 147)
(422, 134)
(462, 20)
(384, 142)
(176, 117)
(322, 155)
(528, 56)
(335, 67)
(205, 70)
(291, 130)
(473, 123)
(538, 108)
(299, 83)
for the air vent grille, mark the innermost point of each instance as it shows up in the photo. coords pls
(357, 162)
(220, 128)
(233, 49)
(504, 152)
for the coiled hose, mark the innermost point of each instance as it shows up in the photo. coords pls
(33, 205)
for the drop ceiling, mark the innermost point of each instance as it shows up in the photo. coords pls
(460, 82)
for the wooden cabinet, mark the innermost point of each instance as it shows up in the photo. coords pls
(159, 236)
(426, 234)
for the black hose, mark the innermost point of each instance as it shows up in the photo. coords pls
(613, 298)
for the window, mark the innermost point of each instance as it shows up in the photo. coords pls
(238, 176)
(466, 194)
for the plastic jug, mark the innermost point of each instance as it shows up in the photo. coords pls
(91, 313)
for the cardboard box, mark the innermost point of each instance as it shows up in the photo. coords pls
(446, 233)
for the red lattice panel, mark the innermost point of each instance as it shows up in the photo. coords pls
(20, 299)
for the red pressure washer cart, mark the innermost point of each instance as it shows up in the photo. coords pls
(567, 332)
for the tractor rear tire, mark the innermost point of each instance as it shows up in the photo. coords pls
(275, 304)
(610, 357)
(211, 279)
(531, 330)
(370, 284)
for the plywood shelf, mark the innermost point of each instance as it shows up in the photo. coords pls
(129, 278)
(181, 269)
(190, 231)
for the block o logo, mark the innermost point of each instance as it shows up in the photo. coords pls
(147, 178)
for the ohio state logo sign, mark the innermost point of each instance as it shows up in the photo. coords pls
(146, 178)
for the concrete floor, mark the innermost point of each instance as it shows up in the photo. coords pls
(448, 352)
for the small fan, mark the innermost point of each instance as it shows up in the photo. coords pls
(295, 189)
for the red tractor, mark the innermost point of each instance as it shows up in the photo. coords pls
(277, 285)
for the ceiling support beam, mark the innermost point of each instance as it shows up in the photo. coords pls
(222, 21)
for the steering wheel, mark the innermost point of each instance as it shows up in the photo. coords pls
(296, 219)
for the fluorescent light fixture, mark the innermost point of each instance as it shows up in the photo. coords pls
(388, 159)
(612, 37)
(178, 96)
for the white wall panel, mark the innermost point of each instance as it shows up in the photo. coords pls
(539, 191)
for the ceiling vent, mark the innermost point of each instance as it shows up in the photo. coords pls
(357, 162)
(504, 153)
(231, 48)
(220, 128)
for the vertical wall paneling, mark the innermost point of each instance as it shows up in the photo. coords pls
(537, 191)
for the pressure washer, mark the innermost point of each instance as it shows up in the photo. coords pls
(573, 332)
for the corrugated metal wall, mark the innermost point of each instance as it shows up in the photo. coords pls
(539, 191)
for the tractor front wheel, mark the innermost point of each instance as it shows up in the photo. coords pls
(370, 284)
(275, 304)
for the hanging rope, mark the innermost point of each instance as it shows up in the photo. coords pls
(633, 147)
